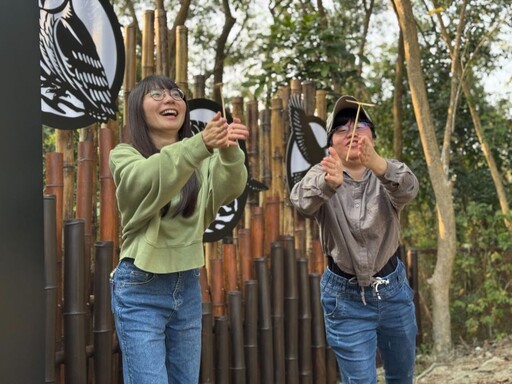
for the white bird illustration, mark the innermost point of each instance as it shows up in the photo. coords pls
(70, 65)
(308, 141)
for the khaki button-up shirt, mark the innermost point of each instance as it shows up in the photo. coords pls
(359, 221)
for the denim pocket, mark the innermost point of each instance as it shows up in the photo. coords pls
(127, 274)
(329, 303)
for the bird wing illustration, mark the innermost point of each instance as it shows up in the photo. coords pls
(71, 63)
(303, 132)
(201, 111)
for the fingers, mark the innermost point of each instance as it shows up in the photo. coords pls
(219, 134)
(333, 168)
(237, 131)
(365, 150)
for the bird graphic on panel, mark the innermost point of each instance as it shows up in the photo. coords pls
(73, 78)
(307, 144)
(201, 111)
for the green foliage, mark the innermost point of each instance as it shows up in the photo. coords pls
(48, 139)
(301, 45)
(481, 288)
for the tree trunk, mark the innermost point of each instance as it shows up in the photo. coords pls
(466, 89)
(440, 280)
(220, 51)
(397, 100)
(486, 149)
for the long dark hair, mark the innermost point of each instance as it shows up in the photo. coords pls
(141, 140)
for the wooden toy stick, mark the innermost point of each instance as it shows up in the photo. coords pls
(355, 122)
(220, 85)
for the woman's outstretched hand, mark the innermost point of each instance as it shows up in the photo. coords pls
(219, 134)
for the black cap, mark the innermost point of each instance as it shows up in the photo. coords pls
(345, 108)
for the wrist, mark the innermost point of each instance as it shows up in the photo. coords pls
(380, 166)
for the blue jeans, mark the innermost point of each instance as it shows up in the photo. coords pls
(354, 330)
(158, 324)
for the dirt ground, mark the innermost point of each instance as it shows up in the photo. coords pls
(490, 363)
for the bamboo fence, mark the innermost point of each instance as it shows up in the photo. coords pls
(262, 317)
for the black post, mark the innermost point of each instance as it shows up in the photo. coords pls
(22, 339)
(74, 303)
(251, 332)
(237, 366)
(50, 285)
(265, 331)
(206, 370)
(277, 271)
(221, 350)
(102, 325)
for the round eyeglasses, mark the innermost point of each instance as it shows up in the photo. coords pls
(159, 94)
(345, 129)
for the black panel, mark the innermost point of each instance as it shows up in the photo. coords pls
(21, 196)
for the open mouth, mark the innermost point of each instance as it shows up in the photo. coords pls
(169, 112)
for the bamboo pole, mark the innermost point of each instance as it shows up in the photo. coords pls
(318, 331)
(257, 232)
(317, 259)
(237, 104)
(55, 186)
(305, 323)
(321, 104)
(284, 94)
(108, 202)
(50, 284)
(217, 286)
(74, 303)
(277, 149)
(308, 89)
(206, 375)
(103, 328)
(148, 43)
(205, 288)
(291, 310)
(309, 93)
(251, 331)
(229, 265)
(287, 227)
(237, 366)
(245, 252)
(299, 220)
(253, 157)
(162, 42)
(265, 331)
(221, 350)
(85, 187)
(84, 201)
(65, 144)
(199, 87)
(130, 75)
(271, 222)
(265, 153)
(278, 324)
(182, 58)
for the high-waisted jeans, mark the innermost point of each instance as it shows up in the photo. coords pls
(158, 324)
(358, 321)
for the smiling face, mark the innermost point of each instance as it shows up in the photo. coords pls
(341, 141)
(164, 117)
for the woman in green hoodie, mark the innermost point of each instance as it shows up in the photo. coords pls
(170, 185)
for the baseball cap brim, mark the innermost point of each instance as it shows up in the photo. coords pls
(345, 102)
